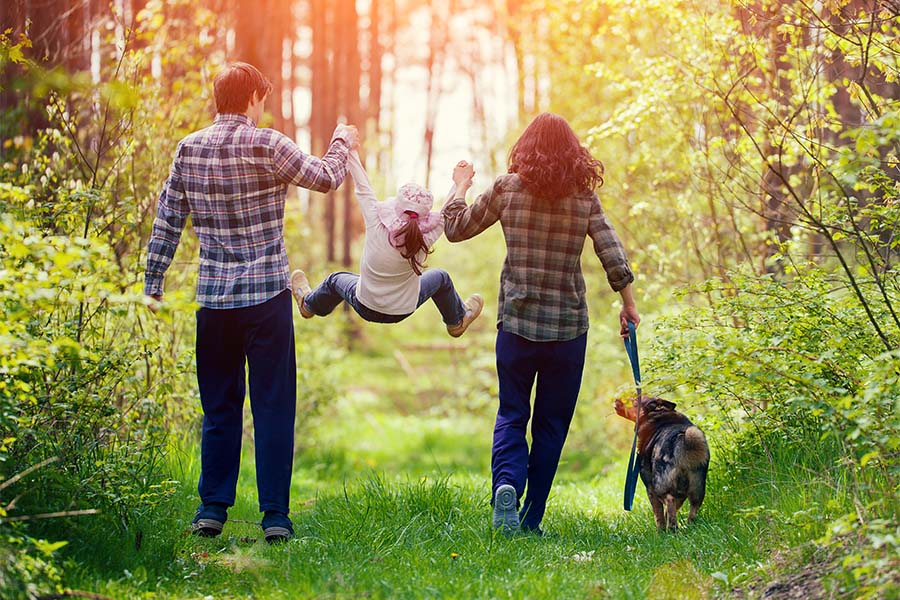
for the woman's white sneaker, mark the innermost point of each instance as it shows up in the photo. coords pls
(506, 511)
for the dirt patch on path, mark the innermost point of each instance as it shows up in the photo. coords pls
(794, 582)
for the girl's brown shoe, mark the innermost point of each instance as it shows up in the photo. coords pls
(474, 304)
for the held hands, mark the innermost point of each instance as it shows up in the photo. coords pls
(462, 175)
(348, 133)
(155, 301)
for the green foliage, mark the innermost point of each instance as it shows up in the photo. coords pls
(26, 569)
(89, 378)
(789, 378)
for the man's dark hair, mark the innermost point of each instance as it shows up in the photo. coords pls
(234, 87)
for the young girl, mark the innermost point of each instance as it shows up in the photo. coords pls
(547, 206)
(392, 282)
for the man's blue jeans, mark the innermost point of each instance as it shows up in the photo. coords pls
(261, 337)
(557, 367)
(341, 287)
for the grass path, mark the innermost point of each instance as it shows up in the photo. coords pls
(390, 500)
(421, 530)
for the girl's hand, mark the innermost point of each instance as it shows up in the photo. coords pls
(463, 174)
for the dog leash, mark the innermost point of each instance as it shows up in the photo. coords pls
(634, 461)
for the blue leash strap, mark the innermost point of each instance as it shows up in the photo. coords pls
(634, 460)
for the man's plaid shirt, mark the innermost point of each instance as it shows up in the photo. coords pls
(232, 179)
(542, 293)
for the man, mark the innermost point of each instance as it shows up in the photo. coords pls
(232, 178)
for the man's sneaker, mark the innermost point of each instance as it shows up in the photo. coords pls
(506, 514)
(474, 304)
(300, 288)
(277, 527)
(209, 520)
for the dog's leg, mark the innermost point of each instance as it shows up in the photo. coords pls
(671, 513)
(678, 504)
(658, 512)
(693, 514)
(696, 498)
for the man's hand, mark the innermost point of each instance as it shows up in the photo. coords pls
(156, 300)
(463, 174)
(348, 133)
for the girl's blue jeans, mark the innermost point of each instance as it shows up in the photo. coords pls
(341, 287)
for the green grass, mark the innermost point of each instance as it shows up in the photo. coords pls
(390, 499)
(390, 496)
(393, 536)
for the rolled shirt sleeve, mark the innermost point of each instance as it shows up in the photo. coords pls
(609, 248)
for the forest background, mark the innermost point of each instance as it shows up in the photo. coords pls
(751, 153)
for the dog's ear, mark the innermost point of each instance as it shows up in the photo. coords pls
(666, 404)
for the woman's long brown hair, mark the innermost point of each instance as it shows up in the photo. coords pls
(411, 244)
(551, 161)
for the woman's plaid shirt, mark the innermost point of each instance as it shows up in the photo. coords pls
(232, 178)
(542, 293)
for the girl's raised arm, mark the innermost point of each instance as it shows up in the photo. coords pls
(365, 196)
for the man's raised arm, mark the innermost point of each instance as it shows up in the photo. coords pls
(293, 166)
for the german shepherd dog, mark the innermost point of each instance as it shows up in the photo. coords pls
(674, 459)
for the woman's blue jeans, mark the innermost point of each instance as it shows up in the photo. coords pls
(555, 368)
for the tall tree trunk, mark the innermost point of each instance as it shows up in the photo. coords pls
(78, 57)
(434, 63)
(319, 82)
(390, 78)
(349, 70)
(376, 51)
(514, 24)
(261, 27)
(328, 108)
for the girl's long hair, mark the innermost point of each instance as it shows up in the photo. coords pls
(551, 161)
(409, 241)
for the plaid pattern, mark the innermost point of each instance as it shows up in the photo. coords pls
(542, 293)
(232, 179)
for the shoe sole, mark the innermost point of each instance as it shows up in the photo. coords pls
(277, 534)
(505, 513)
(207, 527)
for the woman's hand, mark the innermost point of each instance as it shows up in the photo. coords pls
(629, 312)
(463, 174)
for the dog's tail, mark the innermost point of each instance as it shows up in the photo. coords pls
(695, 449)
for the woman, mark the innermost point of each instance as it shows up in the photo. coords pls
(546, 206)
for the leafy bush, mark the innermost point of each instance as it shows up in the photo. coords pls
(88, 376)
(25, 568)
(795, 387)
